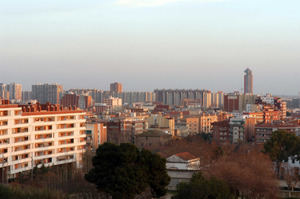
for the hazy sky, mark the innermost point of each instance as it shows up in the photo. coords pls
(147, 44)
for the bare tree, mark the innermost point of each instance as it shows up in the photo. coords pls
(291, 177)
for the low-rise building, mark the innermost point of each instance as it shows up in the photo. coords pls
(152, 138)
(221, 133)
(125, 129)
(264, 131)
(181, 167)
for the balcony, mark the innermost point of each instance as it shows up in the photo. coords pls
(20, 130)
(65, 126)
(43, 128)
(44, 120)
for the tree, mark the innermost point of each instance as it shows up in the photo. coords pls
(124, 172)
(202, 188)
(281, 146)
(155, 168)
(291, 177)
(247, 171)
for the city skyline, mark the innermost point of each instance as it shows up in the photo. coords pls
(246, 89)
(151, 44)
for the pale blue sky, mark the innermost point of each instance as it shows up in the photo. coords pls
(147, 44)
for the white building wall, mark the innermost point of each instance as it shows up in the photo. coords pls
(67, 142)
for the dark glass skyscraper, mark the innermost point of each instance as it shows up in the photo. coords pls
(248, 82)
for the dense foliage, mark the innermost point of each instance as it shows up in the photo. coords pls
(124, 171)
(203, 188)
(247, 170)
(281, 146)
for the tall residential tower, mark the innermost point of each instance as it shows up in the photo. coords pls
(116, 87)
(44, 93)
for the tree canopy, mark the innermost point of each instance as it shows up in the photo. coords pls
(281, 146)
(123, 171)
(203, 188)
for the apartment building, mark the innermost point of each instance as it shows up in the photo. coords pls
(11, 91)
(124, 129)
(264, 131)
(116, 87)
(176, 97)
(206, 122)
(15, 91)
(35, 135)
(201, 124)
(113, 103)
(74, 100)
(193, 125)
(164, 123)
(96, 133)
(44, 93)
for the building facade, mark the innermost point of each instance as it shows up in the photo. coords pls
(116, 87)
(15, 92)
(248, 82)
(32, 136)
(47, 93)
(177, 97)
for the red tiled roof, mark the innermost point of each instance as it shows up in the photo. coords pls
(186, 156)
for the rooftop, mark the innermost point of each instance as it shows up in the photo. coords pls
(153, 133)
(186, 156)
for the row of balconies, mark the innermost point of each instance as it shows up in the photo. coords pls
(44, 119)
(23, 162)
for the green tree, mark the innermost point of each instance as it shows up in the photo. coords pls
(201, 188)
(155, 168)
(124, 171)
(281, 146)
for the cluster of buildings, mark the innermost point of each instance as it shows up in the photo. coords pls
(12, 91)
(50, 126)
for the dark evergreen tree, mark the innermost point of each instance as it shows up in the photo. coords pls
(124, 171)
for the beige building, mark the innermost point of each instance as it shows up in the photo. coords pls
(96, 133)
(4, 93)
(113, 103)
(207, 99)
(15, 91)
(32, 136)
(201, 124)
(161, 122)
(206, 121)
(193, 125)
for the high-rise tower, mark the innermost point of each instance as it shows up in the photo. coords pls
(116, 87)
(44, 93)
(248, 82)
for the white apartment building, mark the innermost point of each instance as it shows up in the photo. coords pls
(32, 138)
